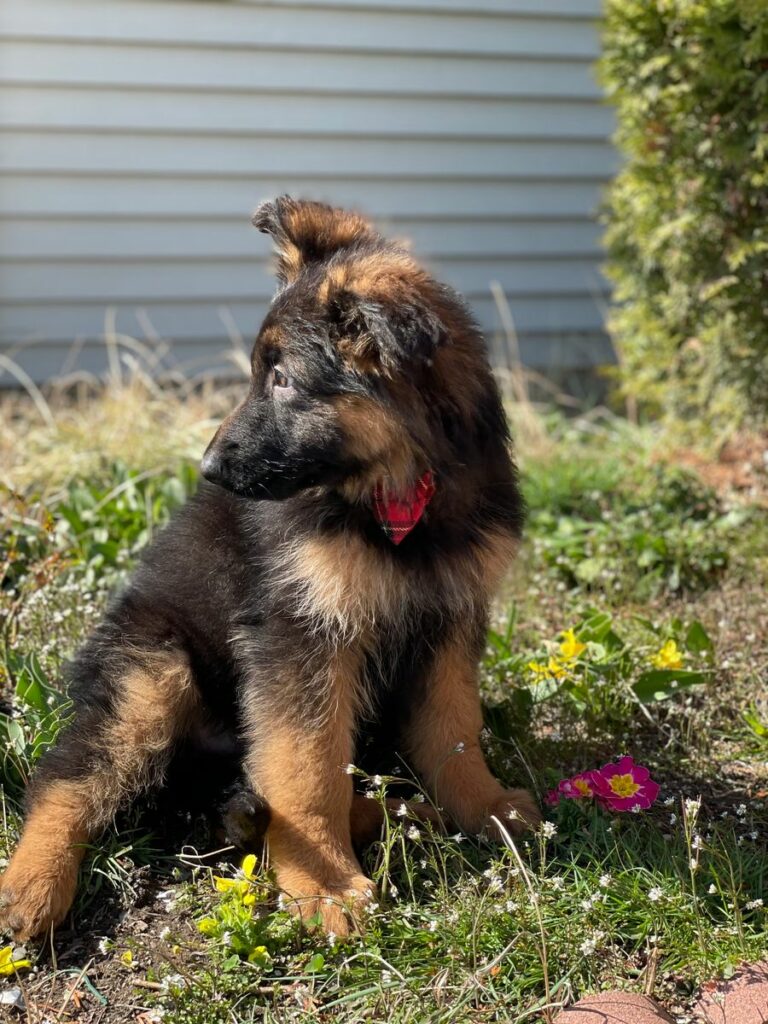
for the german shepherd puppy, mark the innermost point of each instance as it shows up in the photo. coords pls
(330, 581)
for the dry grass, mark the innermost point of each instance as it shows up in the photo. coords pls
(53, 437)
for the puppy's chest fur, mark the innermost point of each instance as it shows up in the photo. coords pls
(343, 589)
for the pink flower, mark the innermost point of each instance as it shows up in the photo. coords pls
(579, 787)
(624, 786)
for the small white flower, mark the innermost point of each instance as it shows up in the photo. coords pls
(741, 810)
(590, 945)
(692, 807)
(377, 781)
(712, 889)
(604, 881)
(432, 926)
(458, 838)
(673, 819)
(693, 864)
(413, 832)
(402, 811)
(349, 769)
(165, 933)
(370, 795)
(753, 904)
(655, 894)
(331, 939)
(393, 891)
(168, 898)
(104, 945)
(173, 981)
(459, 748)
(548, 829)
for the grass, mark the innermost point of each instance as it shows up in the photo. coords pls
(624, 548)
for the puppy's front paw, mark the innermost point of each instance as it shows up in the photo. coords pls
(517, 810)
(35, 898)
(336, 909)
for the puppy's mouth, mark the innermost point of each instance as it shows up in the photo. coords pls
(271, 485)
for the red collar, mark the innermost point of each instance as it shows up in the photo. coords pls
(397, 514)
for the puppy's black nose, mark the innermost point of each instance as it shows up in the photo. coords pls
(212, 467)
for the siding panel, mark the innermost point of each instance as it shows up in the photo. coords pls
(115, 110)
(139, 66)
(365, 28)
(221, 157)
(136, 137)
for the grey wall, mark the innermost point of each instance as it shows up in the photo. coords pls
(137, 136)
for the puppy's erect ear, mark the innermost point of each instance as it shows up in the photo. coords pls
(307, 232)
(376, 336)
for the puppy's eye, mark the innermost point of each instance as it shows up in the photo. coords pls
(280, 379)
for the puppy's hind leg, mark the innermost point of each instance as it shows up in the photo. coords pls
(118, 743)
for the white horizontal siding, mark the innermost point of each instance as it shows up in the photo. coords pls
(182, 68)
(478, 160)
(365, 28)
(137, 135)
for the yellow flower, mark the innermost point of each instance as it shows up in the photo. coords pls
(8, 965)
(552, 670)
(127, 958)
(668, 657)
(207, 926)
(248, 867)
(238, 885)
(259, 955)
(241, 884)
(571, 648)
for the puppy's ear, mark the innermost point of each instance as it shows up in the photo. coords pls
(307, 232)
(375, 336)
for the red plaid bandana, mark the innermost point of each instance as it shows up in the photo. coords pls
(398, 514)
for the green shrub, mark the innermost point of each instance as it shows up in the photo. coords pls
(688, 214)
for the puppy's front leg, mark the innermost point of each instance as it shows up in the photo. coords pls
(296, 762)
(442, 741)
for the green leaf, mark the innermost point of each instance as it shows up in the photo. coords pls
(596, 628)
(697, 639)
(316, 963)
(661, 684)
(755, 724)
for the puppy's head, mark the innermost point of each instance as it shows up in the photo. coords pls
(349, 385)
